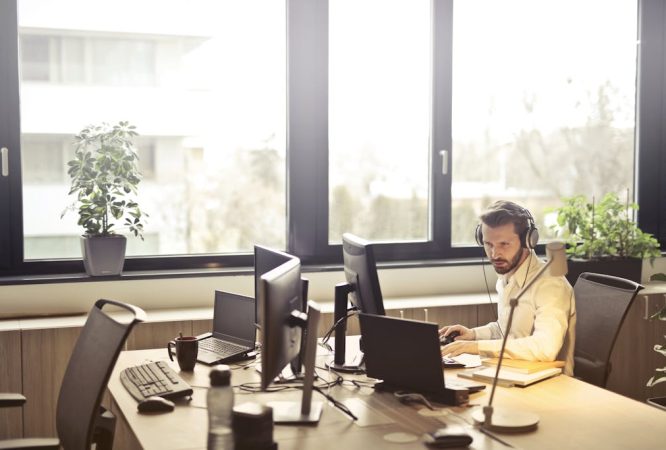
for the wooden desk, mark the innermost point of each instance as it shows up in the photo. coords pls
(573, 415)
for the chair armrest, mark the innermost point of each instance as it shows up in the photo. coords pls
(30, 443)
(10, 399)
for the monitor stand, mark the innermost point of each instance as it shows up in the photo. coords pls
(306, 411)
(342, 291)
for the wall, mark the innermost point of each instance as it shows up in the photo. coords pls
(194, 292)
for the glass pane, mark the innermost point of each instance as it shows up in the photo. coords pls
(203, 82)
(543, 104)
(379, 119)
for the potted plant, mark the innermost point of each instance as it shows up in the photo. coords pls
(603, 237)
(105, 175)
(660, 373)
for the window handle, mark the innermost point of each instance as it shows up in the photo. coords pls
(4, 162)
(445, 161)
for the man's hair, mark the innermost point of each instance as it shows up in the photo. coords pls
(502, 212)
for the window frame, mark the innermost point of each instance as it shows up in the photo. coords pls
(307, 147)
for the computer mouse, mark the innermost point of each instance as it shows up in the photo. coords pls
(450, 338)
(451, 436)
(155, 404)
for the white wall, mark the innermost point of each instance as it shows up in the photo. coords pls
(70, 298)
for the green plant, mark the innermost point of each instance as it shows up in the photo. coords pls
(603, 230)
(660, 374)
(105, 175)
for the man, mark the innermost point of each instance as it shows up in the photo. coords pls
(544, 321)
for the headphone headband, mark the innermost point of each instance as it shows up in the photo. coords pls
(528, 238)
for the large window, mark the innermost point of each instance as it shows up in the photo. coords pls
(379, 119)
(207, 96)
(287, 123)
(544, 99)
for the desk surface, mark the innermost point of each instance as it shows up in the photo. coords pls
(573, 415)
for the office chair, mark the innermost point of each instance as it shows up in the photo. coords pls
(80, 418)
(602, 302)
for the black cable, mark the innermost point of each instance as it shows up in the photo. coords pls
(490, 300)
(324, 341)
(341, 406)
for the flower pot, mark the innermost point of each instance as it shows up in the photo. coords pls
(629, 268)
(103, 255)
(659, 402)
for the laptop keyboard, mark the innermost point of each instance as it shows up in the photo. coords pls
(221, 347)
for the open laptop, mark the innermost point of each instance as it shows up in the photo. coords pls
(233, 336)
(405, 355)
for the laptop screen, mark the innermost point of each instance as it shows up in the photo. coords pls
(403, 353)
(233, 318)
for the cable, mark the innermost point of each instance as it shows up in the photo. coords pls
(490, 300)
(341, 406)
(350, 312)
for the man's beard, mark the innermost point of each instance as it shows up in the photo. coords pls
(511, 266)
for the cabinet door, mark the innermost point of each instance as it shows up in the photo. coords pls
(449, 315)
(11, 419)
(633, 359)
(45, 355)
(156, 334)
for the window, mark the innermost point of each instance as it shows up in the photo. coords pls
(544, 95)
(289, 123)
(207, 99)
(379, 119)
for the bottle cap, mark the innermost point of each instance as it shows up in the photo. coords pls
(220, 375)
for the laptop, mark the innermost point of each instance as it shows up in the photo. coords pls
(405, 355)
(233, 335)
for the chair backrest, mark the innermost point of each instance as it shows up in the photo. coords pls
(88, 372)
(602, 302)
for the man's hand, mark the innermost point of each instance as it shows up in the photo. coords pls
(459, 347)
(465, 333)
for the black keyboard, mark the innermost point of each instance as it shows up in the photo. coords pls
(154, 378)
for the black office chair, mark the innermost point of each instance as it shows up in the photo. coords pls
(602, 302)
(80, 418)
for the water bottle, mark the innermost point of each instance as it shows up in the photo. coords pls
(220, 400)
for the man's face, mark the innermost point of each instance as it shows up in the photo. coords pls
(502, 246)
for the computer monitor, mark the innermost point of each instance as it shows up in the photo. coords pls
(361, 289)
(265, 260)
(281, 323)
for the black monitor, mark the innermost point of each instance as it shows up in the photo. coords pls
(361, 289)
(282, 323)
(265, 260)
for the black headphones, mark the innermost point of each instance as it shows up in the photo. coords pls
(528, 238)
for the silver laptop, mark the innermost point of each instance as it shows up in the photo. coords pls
(233, 335)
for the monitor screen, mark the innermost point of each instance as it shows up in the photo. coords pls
(361, 273)
(279, 296)
(265, 260)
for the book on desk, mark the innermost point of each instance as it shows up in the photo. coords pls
(514, 372)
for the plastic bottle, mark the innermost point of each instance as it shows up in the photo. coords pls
(220, 401)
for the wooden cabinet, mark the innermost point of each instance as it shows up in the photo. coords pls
(11, 419)
(633, 360)
(45, 354)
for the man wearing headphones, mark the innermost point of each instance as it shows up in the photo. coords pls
(544, 321)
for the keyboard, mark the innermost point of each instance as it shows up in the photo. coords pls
(221, 347)
(154, 378)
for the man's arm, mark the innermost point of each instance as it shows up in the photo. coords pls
(553, 298)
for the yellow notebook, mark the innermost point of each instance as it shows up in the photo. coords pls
(523, 366)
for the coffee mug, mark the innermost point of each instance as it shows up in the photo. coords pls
(187, 348)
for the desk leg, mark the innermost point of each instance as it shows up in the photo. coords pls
(124, 438)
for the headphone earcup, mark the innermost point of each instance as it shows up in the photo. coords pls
(478, 235)
(531, 237)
